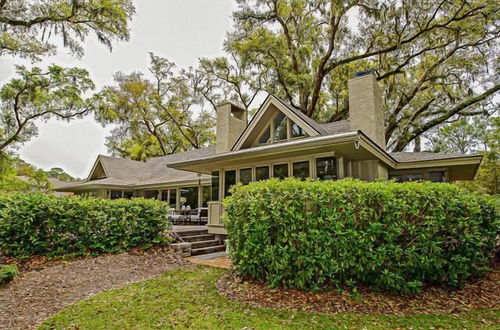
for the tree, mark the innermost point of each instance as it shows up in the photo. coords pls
(28, 25)
(435, 60)
(26, 28)
(36, 94)
(463, 136)
(59, 173)
(155, 116)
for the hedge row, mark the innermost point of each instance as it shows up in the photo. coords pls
(39, 224)
(386, 235)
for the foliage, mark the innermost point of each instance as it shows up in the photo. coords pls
(36, 94)
(59, 173)
(488, 177)
(434, 59)
(386, 235)
(7, 273)
(26, 27)
(154, 117)
(463, 136)
(197, 304)
(38, 224)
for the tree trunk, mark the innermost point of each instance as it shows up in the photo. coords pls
(418, 144)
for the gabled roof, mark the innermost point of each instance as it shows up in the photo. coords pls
(128, 173)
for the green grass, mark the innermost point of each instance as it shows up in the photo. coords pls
(188, 298)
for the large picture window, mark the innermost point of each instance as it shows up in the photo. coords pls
(280, 171)
(229, 181)
(326, 168)
(261, 173)
(116, 194)
(172, 198)
(246, 175)
(301, 169)
(151, 194)
(191, 196)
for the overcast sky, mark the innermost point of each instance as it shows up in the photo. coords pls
(180, 30)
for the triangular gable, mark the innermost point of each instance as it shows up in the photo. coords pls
(98, 171)
(264, 114)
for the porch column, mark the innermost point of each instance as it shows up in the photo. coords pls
(340, 167)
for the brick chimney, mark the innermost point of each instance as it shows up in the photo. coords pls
(365, 106)
(231, 121)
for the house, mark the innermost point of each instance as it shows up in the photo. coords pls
(280, 141)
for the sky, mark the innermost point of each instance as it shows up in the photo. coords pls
(180, 30)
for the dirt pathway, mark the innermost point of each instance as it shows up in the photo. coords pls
(35, 295)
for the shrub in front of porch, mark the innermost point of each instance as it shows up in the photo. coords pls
(386, 235)
(40, 224)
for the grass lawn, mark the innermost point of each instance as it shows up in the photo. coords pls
(188, 298)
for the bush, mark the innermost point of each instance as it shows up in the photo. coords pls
(7, 273)
(40, 224)
(386, 235)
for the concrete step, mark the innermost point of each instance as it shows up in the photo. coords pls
(202, 244)
(196, 238)
(209, 249)
(192, 232)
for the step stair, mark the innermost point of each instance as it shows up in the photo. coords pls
(201, 241)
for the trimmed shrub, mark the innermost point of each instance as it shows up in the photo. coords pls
(7, 273)
(40, 224)
(386, 235)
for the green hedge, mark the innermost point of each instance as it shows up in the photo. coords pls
(386, 235)
(39, 224)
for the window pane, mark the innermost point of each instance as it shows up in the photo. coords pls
(280, 171)
(206, 195)
(326, 168)
(164, 195)
(172, 199)
(297, 131)
(436, 176)
(301, 170)
(280, 127)
(229, 181)
(151, 194)
(264, 138)
(396, 177)
(262, 173)
(115, 194)
(215, 186)
(414, 177)
(246, 175)
(128, 194)
(191, 196)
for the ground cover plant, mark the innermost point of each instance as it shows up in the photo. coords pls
(189, 298)
(385, 235)
(40, 224)
(7, 273)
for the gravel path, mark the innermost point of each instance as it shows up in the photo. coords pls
(35, 295)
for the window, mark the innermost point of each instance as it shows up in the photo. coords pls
(214, 193)
(280, 129)
(280, 171)
(164, 195)
(296, 130)
(301, 169)
(151, 194)
(115, 194)
(326, 168)
(246, 175)
(436, 176)
(206, 195)
(406, 177)
(266, 135)
(128, 194)
(172, 198)
(229, 181)
(261, 173)
(191, 196)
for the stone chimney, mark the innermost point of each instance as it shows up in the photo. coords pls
(365, 107)
(231, 121)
